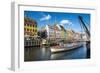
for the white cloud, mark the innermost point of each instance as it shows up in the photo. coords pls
(45, 17)
(65, 21)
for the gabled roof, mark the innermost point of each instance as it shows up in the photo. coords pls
(62, 28)
(29, 20)
(58, 27)
(70, 30)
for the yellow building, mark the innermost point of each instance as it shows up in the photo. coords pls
(30, 27)
(70, 35)
(63, 32)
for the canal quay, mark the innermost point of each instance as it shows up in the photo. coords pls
(56, 41)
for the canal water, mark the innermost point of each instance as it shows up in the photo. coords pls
(40, 54)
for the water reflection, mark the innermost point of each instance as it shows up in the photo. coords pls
(37, 53)
(44, 53)
(78, 53)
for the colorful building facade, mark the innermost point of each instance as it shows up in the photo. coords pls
(55, 32)
(70, 35)
(30, 27)
(63, 32)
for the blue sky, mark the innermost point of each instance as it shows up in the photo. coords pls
(68, 20)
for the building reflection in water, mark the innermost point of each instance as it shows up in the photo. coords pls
(44, 53)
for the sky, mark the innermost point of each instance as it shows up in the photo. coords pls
(68, 20)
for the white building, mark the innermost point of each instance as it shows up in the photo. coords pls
(50, 32)
(54, 32)
(77, 36)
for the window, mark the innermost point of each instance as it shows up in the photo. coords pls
(27, 29)
(24, 29)
(25, 24)
(35, 30)
(35, 25)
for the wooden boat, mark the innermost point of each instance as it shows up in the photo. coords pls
(62, 49)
